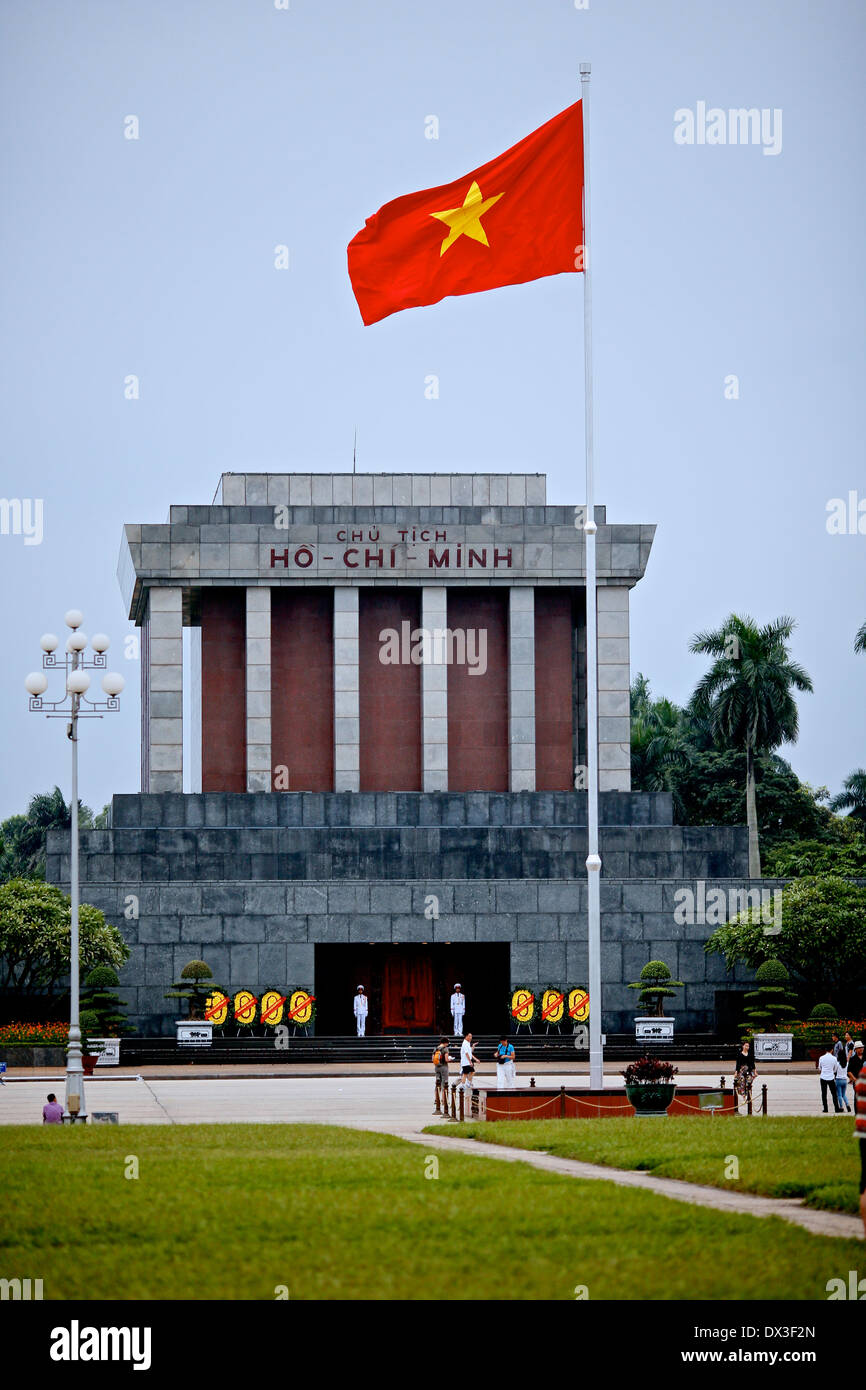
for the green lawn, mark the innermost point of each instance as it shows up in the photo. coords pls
(814, 1158)
(232, 1212)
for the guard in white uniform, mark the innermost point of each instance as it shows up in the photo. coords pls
(458, 1009)
(361, 1004)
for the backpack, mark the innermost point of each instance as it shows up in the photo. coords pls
(437, 1057)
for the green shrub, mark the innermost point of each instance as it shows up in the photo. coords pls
(655, 985)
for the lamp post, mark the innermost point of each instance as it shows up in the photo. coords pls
(75, 665)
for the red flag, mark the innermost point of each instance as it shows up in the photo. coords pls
(518, 218)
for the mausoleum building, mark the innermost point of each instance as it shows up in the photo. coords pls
(385, 684)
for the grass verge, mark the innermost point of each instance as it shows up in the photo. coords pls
(777, 1156)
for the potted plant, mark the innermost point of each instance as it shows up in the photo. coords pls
(88, 1022)
(823, 1019)
(101, 1000)
(768, 1005)
(650, 1085)
(655, 985)
(195, 984)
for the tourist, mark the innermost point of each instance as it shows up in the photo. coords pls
(855, 1069)
(860, 1133)
(458, 1009)
(467, 1063)
(841, 1055)
(849, 1048)
(52, 1113)
(828, 1071)
(441, 1058)
(360, 1005)
(504, 1065)
(744, 1070)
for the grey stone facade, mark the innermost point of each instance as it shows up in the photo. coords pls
(252, 882)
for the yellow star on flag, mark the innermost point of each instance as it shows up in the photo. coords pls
(466, 221)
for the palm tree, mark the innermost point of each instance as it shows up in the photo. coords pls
(747, 696)
(852, 797)
(660, 739)
(46, 811)
(860, 640)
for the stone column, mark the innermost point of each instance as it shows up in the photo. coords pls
(347, 719)
(614, 724)
(162, 690)
(521, 689)
(434, 692)
(258, 690)
(194, 688)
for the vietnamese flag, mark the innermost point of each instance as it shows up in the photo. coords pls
(518, 218)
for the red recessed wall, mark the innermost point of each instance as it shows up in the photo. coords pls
(302, 687)
(223, 690)
(390, 703)
(478, 704)
(553, 690)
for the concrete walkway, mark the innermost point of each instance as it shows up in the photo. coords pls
(819, 1223)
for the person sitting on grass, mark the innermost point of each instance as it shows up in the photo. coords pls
(52, 1113)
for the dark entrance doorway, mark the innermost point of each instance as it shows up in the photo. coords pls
(409, 987)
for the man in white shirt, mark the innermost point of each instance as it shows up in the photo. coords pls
(458, 1008)
(829, 1070)
(361, 1004)
(467, 1063)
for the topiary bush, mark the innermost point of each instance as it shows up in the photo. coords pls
(655, 985)
(101, 999)
(825, 1011)
(772, 1001)
(194, 985)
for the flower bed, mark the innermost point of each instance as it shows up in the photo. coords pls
(814, 1032)
(34, 1034)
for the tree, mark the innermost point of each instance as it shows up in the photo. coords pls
(822, 941)
(655, 985)
(661, 744)
(772, 1002)
(860, 639)
(746, 695)
(852, 797)
(24, 837)
(99, 997)
(35, 937)
(195, 984)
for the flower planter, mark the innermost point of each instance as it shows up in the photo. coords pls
(773, 1047)
(88, 1062)
(651, 1099)
(194, 1033)
(657, 1030)
(107, 1051)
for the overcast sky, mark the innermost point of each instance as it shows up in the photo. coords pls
(261, 126)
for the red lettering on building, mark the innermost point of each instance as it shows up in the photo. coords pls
(303, 557)
(372, 557)
(478, 557)
(501, 555)
(438, 561)
(440, 536)
(279, 559)
(351, 564)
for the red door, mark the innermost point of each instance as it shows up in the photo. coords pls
(407, 995)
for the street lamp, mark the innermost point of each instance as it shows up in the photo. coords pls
(75, 666)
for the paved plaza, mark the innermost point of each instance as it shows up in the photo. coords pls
(366, 1097)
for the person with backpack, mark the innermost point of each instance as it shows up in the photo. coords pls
(441, 1058)
(505, 1065)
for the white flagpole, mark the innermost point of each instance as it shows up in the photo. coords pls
(593, 860)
